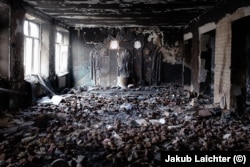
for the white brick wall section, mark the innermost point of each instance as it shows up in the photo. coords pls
(223, 60)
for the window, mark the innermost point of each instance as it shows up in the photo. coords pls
(61, 55)
(114, 44)
(31, 48)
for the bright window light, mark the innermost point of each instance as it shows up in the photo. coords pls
(137, 44)
(61, 54)
(26, 28)
(31, 48)
(34, 30)
(114, 44)
(59, 38)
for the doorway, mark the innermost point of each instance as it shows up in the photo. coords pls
(240, 65)
(206, 76)
(186, 70)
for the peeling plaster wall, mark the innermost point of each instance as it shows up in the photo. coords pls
(160, 43)
(191, 56)
(4, 53)
(17, 82)
(195, 61)
(17, 40)
(4, 41)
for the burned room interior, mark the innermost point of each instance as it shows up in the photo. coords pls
(116, 82)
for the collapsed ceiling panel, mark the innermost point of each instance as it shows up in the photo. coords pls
(100, 13)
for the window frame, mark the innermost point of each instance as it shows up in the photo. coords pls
(61, 60)
(35, 56)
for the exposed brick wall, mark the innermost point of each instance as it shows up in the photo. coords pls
(223, 60)
(222, 81)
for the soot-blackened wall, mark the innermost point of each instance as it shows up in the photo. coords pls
(157, 61)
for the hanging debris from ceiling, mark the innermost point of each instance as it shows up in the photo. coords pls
(153, 51)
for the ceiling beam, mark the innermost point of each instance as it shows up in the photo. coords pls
(123, 12)
(160, 6)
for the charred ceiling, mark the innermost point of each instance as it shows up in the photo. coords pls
(106, 13)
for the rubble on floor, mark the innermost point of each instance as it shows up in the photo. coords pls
(116, 127)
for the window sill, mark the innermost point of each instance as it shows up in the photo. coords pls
(61, 74)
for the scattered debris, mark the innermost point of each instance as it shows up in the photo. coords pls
(174, 126)
(126, 106)
(226, 136)
(204, 113)
(94, 127)
(194, 102)
(56, 99)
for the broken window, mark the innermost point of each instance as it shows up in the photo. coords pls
(31, 48)
(61, 55)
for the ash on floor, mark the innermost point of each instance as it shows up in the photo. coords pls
(115, 127)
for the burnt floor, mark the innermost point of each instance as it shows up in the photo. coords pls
(115, 127)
